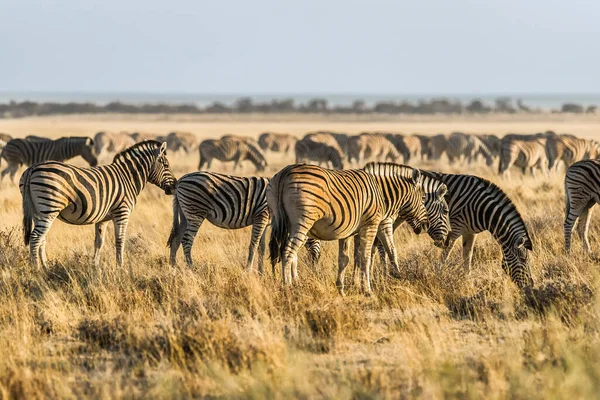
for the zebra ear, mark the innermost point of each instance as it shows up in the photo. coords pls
(163, 149)
(441, 191)
(89, 142)
(416, 176)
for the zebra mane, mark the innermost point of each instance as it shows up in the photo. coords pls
(389, 169)
(143, 146)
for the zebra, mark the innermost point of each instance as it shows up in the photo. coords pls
(182, 141)
(30, 152)
(230, 150)
(463, 146)
(309, 149)
(477, 205)
(277, 142)
(96, 195)
(569, 149)
(439, 145)
(334, 205)
(492, 143)
(246, 139)
(582, 191)
(401, 142)
(107, 143)
(332, 138)
(141, 136)
(229, 202)
(525, 154)
(371, 146)
(4, 139)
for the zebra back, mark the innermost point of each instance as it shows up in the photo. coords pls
(31, 152)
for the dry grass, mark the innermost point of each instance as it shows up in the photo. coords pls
(75, 331)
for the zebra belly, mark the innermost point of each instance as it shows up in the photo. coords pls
(73, 215)
(229, 224)
(323, 230)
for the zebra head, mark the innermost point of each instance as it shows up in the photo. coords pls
(437, 212)
(88, 152)
(160, 173)
(415, 211)
(515, 261)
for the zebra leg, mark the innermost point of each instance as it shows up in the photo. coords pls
(120, 226)
(258, 229)
(343, 260)
(261, 252)
(576, 206)
(10, 169)
(176, 241)
(314, 250)
(468, 244)
(447, 250)
(367, 237)
(99, 241)
(37, 243)
(193, 224)
(297, 238)
(385, 235)
(583, 227)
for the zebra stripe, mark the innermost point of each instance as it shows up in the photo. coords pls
(582, 191)
(277, 142)
(30, 152)
(182, 141)
(463, 147)
(477, 205)
(335, 205)
(229, 202)
(523, 153)
(311, 149)
(81, 196)
(230, 150)
(371, 146)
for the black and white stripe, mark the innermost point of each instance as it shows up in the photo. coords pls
(97, 195)
(477, 205)
(320, 149)
(30, 152)
(226, 150)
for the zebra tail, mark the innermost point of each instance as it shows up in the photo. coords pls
(177, 214)
(280, 227)
(27, 206)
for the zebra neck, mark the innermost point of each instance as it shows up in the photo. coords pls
(135, 174)
(65, 149)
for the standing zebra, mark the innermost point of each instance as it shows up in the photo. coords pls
(277, 142)
(371, 146)
(30, 152)
(335, 205)
(523, 153)
(230, 150)
(582, 190)
(477, 205)
(229, 202)
(82, 196)
(465, 147)
(325, 151)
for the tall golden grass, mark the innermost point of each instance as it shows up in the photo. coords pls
(74, 331)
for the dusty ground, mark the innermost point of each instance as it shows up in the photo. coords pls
(76, 331)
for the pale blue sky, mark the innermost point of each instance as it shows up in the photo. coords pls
(277, 46)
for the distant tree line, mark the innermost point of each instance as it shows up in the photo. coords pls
(314, 106)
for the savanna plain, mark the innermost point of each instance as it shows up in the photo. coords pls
(216, 330)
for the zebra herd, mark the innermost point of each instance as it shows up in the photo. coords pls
(303, 203)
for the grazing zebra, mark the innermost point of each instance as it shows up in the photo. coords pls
(108, 143)
(477, 205)
(229, 202)
(401, 142)
(246, 139)
(492, 143)
(332, 138)
(311, 150)
(82, 196)
(182, 141)
(439, 145)
(525, 154)
(582, 190)
(569, 149)
(141, 136)
(371, 146)
(277, 142)
(463, 147)
(424, 146)
(30, 152)
(230, 150)
(335, 205)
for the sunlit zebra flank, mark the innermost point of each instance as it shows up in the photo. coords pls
(477, 205)
(307, 200)
(229, 202)
(230, 150)
(527, 154)
(277, 142)
(582, 191)
(97, 195)
(30, 152)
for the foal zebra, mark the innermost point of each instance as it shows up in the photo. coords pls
(82, 196)
(229, 202)
(477, 205)
(230, 150)
(582, 190)
(30, 152)
(335, 205)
